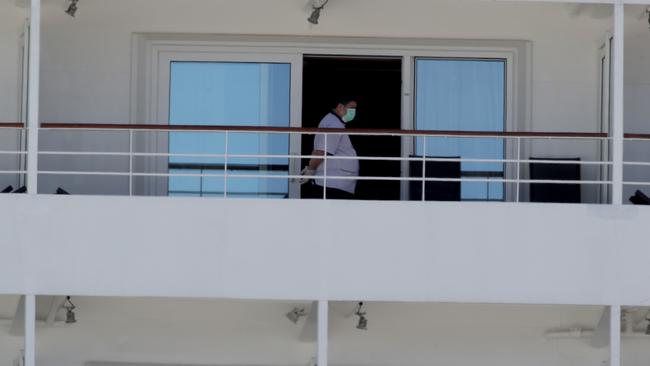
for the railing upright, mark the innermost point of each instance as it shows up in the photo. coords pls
(518, 170)
(130, 163)
(325, 169)
(424, 167)
(225, 167)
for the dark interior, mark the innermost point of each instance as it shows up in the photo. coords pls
(376, 82)
(556, 193)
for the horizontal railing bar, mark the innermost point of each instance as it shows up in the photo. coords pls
(261, 176)
(368, 158)
(636, 163)
(12, 125)
(304, 130)
(632, 183)
(637, 136)
(13, 172)
(8, 152)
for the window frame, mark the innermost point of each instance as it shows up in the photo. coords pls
(164, 91)
(507, 143)
(149, 48)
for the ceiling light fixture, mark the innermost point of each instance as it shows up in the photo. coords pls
(72, 8)
(295, 314)
(315, 14)
(69, 315)
(363, 321)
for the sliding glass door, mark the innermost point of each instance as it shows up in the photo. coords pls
(229, 90)
(464, 94)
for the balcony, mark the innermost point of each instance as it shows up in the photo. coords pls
(121, 160)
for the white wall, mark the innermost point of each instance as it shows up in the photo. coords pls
(10, 346)
(216, 332)
(257, 333)
(341, 250)
(12, 20)
(87, 59)
(637, 94)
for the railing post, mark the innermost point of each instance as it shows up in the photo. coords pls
(325, 170)
(518, 169)
(618, 125)
(424, 167)
(33, 97)
(225, 168)
(130, 162)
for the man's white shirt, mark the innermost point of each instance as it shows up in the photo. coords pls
(338, 145)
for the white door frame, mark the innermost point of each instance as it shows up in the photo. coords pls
(605, 63)
(148, 87)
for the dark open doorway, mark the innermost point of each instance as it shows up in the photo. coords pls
(377, 83)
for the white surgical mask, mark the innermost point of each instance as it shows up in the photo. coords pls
(349, 116)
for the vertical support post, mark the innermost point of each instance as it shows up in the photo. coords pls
(323, 332)
(33, 96)
(225, 168)
(130, 163)
(518, 170)
(325, 171)
(201, 183)
(618, 113)
(615, 335)
(30, 330)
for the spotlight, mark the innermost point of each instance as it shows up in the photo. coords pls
(69, 315)
(363, 321)
(71, 10)
(315, 14)
(295, 314)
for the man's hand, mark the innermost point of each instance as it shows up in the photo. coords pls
(306, 173)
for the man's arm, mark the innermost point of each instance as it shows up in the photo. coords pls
(314, 163)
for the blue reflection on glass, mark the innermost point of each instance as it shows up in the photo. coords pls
(233, 94)
(463, 95)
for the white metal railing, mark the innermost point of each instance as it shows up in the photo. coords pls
(514, 164)
(12, 167)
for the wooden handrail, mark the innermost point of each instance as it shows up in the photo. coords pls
(11, 125)
(641, 136)
(389, 132)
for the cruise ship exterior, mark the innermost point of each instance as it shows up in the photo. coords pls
(324, 182)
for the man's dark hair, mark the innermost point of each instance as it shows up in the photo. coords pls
(345, 99)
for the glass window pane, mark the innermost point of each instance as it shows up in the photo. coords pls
(464, 95)
(230, 94)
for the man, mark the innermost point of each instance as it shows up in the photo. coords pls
(338, 145)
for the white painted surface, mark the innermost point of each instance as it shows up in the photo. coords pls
(33, 100)
(637, 93)
(216, 332)
(472, 252)
(12, 20)
(30, 330)
(323, 332)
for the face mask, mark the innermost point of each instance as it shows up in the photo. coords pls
(349, 116)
